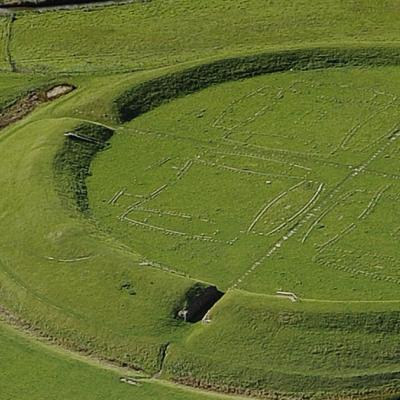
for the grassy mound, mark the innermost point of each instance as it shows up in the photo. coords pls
(271, 347)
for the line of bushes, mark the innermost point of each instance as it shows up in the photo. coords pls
(153, 93)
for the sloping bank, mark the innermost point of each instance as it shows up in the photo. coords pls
(62, 278)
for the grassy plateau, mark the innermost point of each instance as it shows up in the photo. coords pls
(251, 145)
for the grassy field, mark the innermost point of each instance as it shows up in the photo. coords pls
(217, 155)
(123, 37)
(187, 173)
(131, 318)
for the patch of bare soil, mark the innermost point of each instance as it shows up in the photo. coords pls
(27, 104)
(58, 91)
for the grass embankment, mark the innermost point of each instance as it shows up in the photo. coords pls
(272, 347)
(123, 37)
(143, 98)
(72, 283)
(60, 375)
(72, 162)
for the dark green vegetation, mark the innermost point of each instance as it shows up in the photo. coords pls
(72, 162)
(173, 179)
(153, 93)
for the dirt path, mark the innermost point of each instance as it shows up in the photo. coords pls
(24, 106)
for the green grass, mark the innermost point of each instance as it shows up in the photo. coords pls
(62, 375)
(263, 342)
(124, 37)
(210, 153)
(111, 287)
(211, 181)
